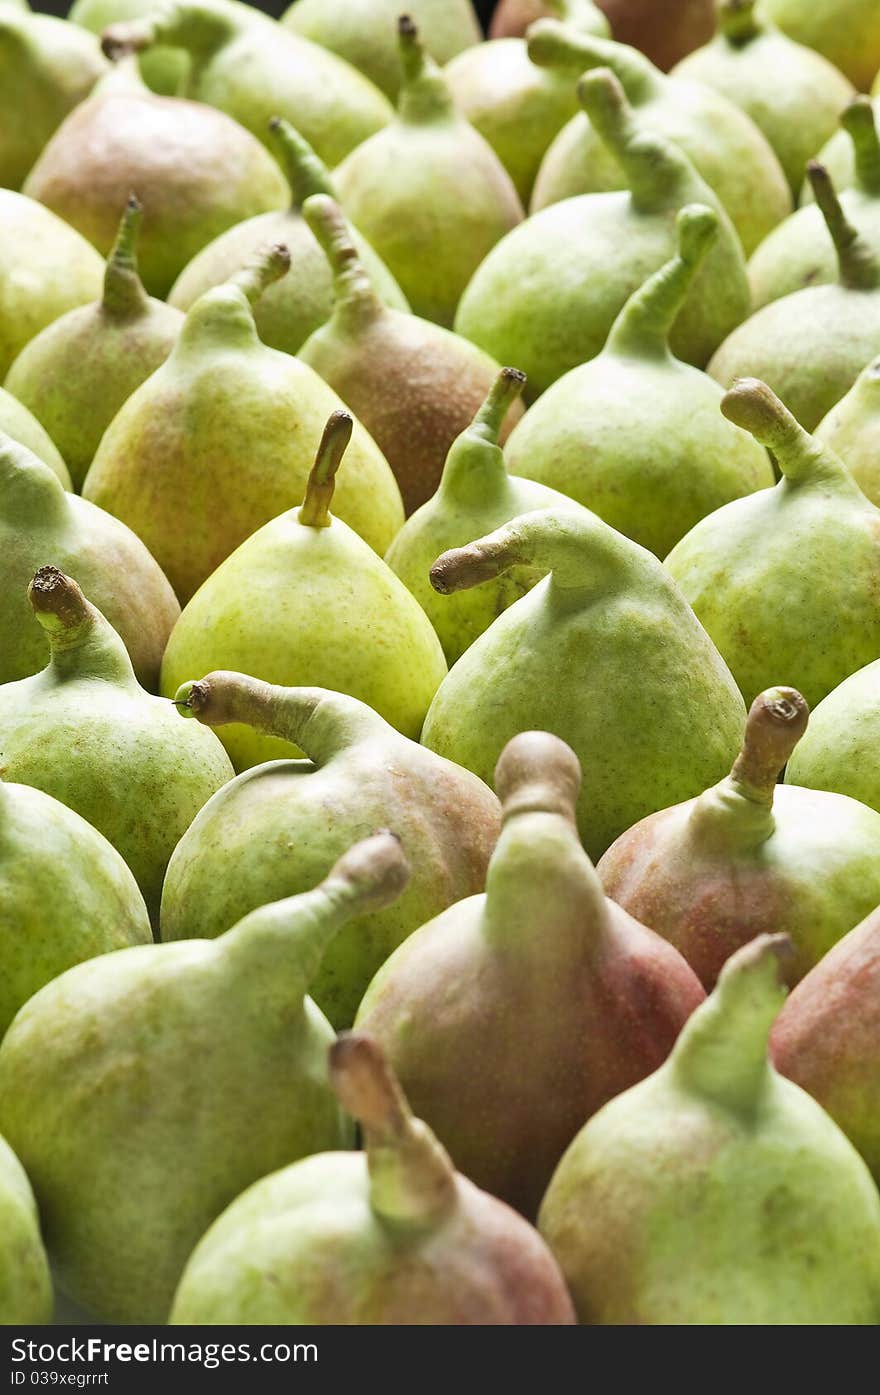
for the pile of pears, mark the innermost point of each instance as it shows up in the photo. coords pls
(440, 663)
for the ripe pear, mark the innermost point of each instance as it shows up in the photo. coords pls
(77, 372)
(16, 421)
(799, 252)
(65, 892)
(547, 295)
(144, 1090)
(305, 601)
(294, 307)
(428, 192)
(221, 438)
(84, 731)
(25, 1281)
(605, 653)
(635, 434)
(439, 379)
(726, 147)
(789, 1218)
(46, 268)
(852, 430)
(536, 1002)
(46, 67)
(39, 519)
(391, 1235)
(664, 32)
(254, 71)
(810, 347)
(794, 95)
(847, 32)
(840, 750)
(748, 856)
(839, 158)
(195, 170)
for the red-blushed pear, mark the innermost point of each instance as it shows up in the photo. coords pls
(25, 1281)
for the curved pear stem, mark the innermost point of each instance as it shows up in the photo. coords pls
(320, 722)
(554, 45)
(652, 166)
(582, 15)
(356, 301)
(721, 1053)
(29, 488)
(754, 406)
(538, 772)
(412, 1180)
(266, 267)
(645, 322)
(424, 94)
(124, 294)
(82, 643)
(858, 266)
(199, 28)
(475, 459)
(860, 124)
(738, 22)
(505, 390)
(776, 722)
(305, 172)
(314, 511)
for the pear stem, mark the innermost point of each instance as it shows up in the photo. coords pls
(314, 510)
(579, 550)
(859, 269)
(501, 396)
(124, 295)
(82, 642)
(475, 461)
(424, 94)
(776, 722)
(356, 298)
(412, 1180)
(200, 29)
(645, 322)
(555, 45)
(538, 773)
(305, 172)
(738, 22)
(751, 404)
(266, 267)
(580, 15)
(652, 166)
(860, 125)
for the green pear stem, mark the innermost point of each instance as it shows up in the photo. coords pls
(645, 322)
(578, 14)
(266, 267)
(721, 1053)
(738, 22)
(555, 45)
(475, 461)
(424, 93)
(82, 643)
(314, 510)
(200, 28)
(860, 124)
(754, 406)
(356, 300)
(29, 488)
(412, 1180)
(124, 295)
(652, 166)
(858, 266)
(305, 172)
(578, 550)
(505, 390)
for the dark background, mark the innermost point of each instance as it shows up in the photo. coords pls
(484, 8)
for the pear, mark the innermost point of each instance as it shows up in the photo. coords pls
(393, 1235)
(144, 1090)
(16, 421)
(305, 601)
(294, 307)
(810, 347)
(606, 654)
(428, 192)
(799, 252)
(46, 67)
(221, 438)
(789, 1218)
(839, 157)
(475, 496)
(253, 72)
(536, 1002)
(743, 568)
(362, 32)
(547, 295)
(38, 519)
(852, 430)
(67, 896)
(195, 170)
(439, 379)
(847, 32)
(726, 147)
(839, 752)
(635, 434)
(25, 1281)
(749, 855)
(46, 268)
(664, 32)
(84, 731)
(77, 372)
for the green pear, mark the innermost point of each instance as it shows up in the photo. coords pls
(389, 1236)
(221, 438)
(605, 653)
(852, 430)
(794, 95)
(536, 1002)
(144, 1090)
(84, 731)
(194, 169)
(839, 158)
(77, 372)
(839, 752)
(413, 384)
(726, 147)
(716, 1192)
(46, 67)
(304, 601)
(39, 519)
(635, 434)
(765, 574)
(847, 32)
(428, 192)
(66, 896)
(25, 1281)
(294, 307)
(810, 347)
(799, 252)
(16, 421)
(46, 268)
(254, 71)
(546, 297)
(748, 856)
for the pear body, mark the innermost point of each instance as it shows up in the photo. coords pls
(16, 421)
(847, 32)
(799, 253)
(852, 430)
(46, 268)
(25, 1281)
(840, 750)
(67, 895)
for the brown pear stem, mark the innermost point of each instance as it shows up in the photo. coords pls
(859, 268)
(82, 642)
(314, 510)
(424, 94)
(124, 294)
(860, 124)
(776, 722)
(266, 267)
(754, 406)
(538, 773)
(356, 298)
(305, 172)
(738, 22)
